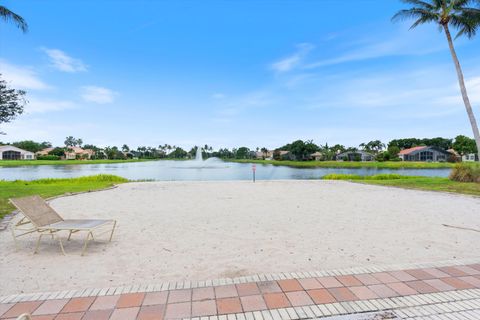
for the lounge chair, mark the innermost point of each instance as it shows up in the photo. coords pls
(40, 217)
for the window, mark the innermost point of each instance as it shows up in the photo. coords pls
(426, 156)
(11, 155)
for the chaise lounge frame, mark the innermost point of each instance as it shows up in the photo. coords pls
(42, 218)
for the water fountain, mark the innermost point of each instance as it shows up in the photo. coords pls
(198, 155)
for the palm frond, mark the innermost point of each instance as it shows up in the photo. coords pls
(466, 24)
(10, 16)
(420, 3)
(421, 16)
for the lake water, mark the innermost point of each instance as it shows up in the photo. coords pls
(211, 169)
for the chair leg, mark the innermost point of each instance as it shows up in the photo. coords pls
(69, 235)
(86, 242)
(113, 229)
(38, 243)
(60, 242)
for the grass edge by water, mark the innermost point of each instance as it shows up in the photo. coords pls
(47, 188)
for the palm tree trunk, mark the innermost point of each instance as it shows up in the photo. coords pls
(463, 89)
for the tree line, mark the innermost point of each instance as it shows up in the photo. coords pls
(300, 149)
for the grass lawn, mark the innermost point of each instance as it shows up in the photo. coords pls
(420, 183)
(52, 187)
(352, 164)
(16, 163)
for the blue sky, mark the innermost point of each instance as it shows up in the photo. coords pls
(253, 73)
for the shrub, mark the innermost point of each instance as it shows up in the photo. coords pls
(385, 176)
(49, 157)
(464, 172)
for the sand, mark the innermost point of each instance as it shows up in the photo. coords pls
(208, 230)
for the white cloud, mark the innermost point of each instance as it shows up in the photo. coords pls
(290, 62)
(63, 62)
(98, 95)
(399, 43)
(21, 77)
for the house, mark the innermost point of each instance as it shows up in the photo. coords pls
(285, 155)
(44, 152)
(470, 157)
(317, 156)
(73, 153)
(264, 155)
(14, 153)
(424, 153)
(355, 156)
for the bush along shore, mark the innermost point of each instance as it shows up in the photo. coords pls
(464, 179)
(52, 187)
(350, 164)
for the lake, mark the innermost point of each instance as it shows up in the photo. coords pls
(211, 169)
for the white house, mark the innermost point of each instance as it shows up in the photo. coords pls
(14, 153)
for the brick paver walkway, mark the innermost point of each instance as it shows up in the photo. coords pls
(429, 292)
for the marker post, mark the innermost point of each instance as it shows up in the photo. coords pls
(254, 168)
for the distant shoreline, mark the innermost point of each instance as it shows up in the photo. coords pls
(350, 164)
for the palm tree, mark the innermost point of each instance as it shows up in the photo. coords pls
(10, 16)
(462, 15)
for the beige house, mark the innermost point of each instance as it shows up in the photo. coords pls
(77, 152)
(14, 153)
(72, 154)
(317, 156)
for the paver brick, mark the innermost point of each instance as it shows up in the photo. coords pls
(310, 283)
(299, 298)
(226, 291)
(21, 307)
(229, 305)
(330, 282)
(130, 300)
(253, 303)
(276, 300)
(367, 279)
(247, 289)
(349, 281)
(342, 294)
(289, 285)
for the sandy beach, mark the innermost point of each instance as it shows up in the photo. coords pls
(207, 230)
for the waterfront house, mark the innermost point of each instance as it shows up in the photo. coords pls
(71, 153)
(317, 156)
(14, 153)
(424, 154)
(355, 156)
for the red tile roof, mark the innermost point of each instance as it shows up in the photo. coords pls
(410, 150)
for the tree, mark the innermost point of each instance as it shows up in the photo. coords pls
(12, 102)
(462, 15)
(178, 153)
(242, 153)
(9, 16)
(125, 148)
(374, 146)
(32, 146)
(301, 149)
(59, 152)
(72, 142)
(464, 145)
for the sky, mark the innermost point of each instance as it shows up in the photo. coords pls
(255, 73)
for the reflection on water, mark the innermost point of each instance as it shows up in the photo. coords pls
(211, 169)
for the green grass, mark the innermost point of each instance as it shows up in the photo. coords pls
(348, 164)
(52, 187)
(409, 182)
(17, 163)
